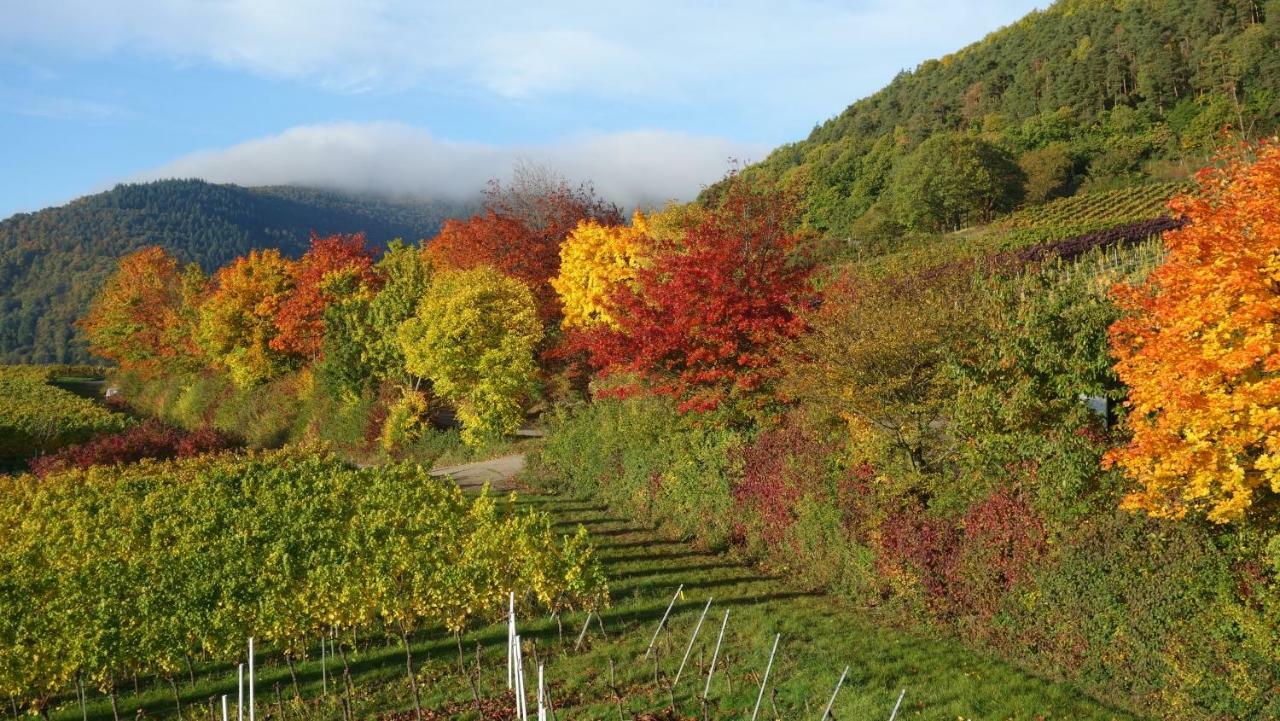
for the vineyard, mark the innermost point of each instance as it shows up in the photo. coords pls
(153, 569)
(1114, 207)
(599, 665)
(36, 416)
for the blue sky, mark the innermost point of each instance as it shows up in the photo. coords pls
(646, 99)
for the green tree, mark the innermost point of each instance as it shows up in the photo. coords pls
(474, 337)
(1049, 171)
(360, 345)
(953, 179)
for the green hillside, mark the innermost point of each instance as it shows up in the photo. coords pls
(52, 261)
(1085, 94)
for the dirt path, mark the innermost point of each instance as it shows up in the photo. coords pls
(497, 472)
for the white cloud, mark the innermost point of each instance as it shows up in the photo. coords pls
(665, 48)
(631, 168)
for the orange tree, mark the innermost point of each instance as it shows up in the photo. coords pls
(1199, 348)
(142, 317)
(328, 264)
(705, 320)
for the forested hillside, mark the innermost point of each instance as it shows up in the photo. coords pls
(1087, 93)
(52, 261)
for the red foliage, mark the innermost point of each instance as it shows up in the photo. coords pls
(925, 545)
(969, 566)
(1003, 537)
(151, 439)
(708, 319)
(779, 467)
(519, 233)
(300, 320)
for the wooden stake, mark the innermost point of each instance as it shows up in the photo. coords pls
(511, 636)
(518, 673)
(765, 679)
(827, 711)
(688, 649)
(542, 699)
(663, 622)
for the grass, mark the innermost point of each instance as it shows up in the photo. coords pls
(943, 680)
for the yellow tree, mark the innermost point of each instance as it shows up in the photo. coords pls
(595, 259)
(474, 337)
(1199, 349)
(238, 320)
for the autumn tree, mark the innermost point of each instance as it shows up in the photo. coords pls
(474, 336)
(595, 261)
(238, 320)
(875, 357)
(520, 230)
(704, 322)
(142, 316)
(334, 262)
(1199, 348)
(360, 344)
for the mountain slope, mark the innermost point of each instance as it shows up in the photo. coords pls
(52, 261)
(1110, 92)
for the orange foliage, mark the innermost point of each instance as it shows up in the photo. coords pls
(141, 317)
(1200, 351)
(330, 264)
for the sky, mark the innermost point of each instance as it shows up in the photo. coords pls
(648, 100)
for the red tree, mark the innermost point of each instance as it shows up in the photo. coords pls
(520, 231)
(705, 321)
(328, 263)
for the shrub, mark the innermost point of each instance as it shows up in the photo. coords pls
(641, 456)
(150, 439)
(406, 421)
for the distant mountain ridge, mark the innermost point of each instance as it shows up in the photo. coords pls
(52, 261)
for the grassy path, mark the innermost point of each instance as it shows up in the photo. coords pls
(943, 680)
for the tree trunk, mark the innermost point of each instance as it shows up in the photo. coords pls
(177, 700)
(462, 667)
(280, 703)
(84, 713)
(413, 679)
(293, 674)
(191, 671)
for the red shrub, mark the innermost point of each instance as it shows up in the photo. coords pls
(926, 546)
(770, 486)
(1003, 538)
(966, 566)
(784, 465)
(150, 439)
